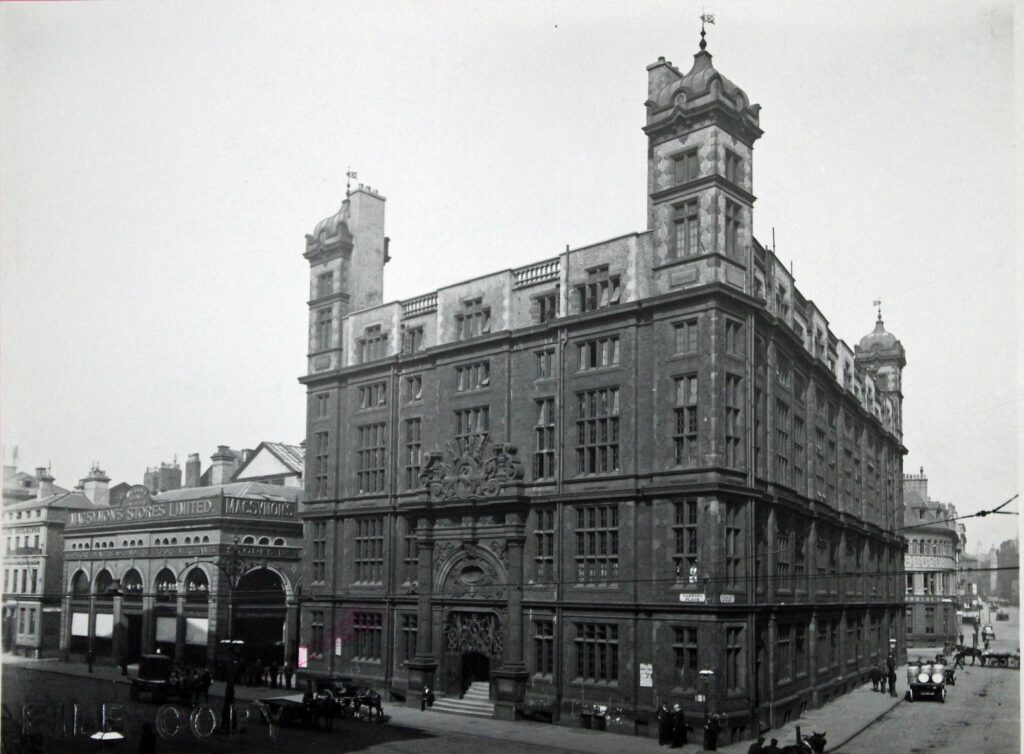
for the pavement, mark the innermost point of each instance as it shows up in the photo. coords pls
(842, 719)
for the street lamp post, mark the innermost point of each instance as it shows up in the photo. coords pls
(707, 675)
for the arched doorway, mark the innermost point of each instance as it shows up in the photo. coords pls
(166, 611)
(133, 589)
(473, 648)
(197, 620)
(259, 615)
(103, 627)
(81, 584)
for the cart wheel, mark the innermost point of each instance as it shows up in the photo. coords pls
(942, 696)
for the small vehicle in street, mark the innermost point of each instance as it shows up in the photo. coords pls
(161, 679)
(1002, 615)
(988, 633)
(1001, 660)
(926, 680)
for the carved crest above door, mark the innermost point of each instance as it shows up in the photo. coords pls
(470, 470)
(473, 632)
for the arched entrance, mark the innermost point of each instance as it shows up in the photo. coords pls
(103, 625)
(166, 611)
(197, 621)
(259, 615)
(473, 648)
(133, 589)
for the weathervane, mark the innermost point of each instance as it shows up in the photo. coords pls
(705, 18)
(348, 180)
(878, 304)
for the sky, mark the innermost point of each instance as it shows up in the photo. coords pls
(160, 165)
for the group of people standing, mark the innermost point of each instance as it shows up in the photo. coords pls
(272, 675)
(671, 726)
(879, 677)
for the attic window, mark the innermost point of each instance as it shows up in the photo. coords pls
(600, 290)
(473, 320)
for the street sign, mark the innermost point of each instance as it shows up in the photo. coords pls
(337, 646)
(727, 599)
(303, 653)
(646, 675)
(701, 698)
(689, 597)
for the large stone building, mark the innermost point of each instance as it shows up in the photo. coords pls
(184, 569)
(33, 561)
(932, 564)
(587, 479)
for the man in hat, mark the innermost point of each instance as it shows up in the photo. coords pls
(757, 747)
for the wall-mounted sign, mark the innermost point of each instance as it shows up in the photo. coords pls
(699, 698)
(174, 509)
(689, 597)
(646, 675)
(303, 654)
(337, 646)
(727, 599)
(137, 494)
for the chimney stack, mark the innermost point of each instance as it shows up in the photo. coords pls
(45, 483)
(95, 486)
(224, 464)
(193, 470)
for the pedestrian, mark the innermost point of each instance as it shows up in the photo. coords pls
(205, 681)
(664, 725)
(876, 675)
(961, 638)
(890, 665)
(757, 747)
(678, 727)
(228, 714)
(90, 657)
(711, 733)
(773, 747)
(288, 671)
(273, 674)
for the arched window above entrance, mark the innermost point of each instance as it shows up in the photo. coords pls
(197, 585)
(103, 583)
(80, 584)
(166, 585)
(132, 584)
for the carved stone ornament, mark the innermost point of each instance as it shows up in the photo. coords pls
(443, 551)
(465, 472)
(474, 575)
(473, 632)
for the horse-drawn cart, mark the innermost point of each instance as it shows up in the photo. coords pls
(1001, 660)
(330, 699)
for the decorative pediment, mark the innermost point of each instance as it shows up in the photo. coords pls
(469, 470)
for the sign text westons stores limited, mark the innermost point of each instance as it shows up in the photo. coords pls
(176, 509)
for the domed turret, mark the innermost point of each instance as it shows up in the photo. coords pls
(334, 228)
(881, 345)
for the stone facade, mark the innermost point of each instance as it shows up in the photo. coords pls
(588, 478)
(935, 544)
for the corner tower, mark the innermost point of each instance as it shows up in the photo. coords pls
(701, 130)
(882, 355)
(347, 253)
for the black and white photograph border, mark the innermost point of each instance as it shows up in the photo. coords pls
(516, 409)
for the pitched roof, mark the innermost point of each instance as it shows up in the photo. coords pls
(70, 500)
(292, 456)
(251, 490)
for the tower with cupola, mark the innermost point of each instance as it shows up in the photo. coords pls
(882, 355)
(701, 130)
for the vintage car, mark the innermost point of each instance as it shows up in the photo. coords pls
(1002, 615)
(926, 680)
(161, 679)
(988, 633)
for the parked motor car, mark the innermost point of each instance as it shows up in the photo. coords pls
(926, 680)
(1002, 615)
(988, 633)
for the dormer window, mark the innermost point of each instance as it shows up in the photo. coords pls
(473, 320)
(687, 166)
(373, 345)
(600, 291)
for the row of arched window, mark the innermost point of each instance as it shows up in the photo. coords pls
(205, 540)
(165, 585)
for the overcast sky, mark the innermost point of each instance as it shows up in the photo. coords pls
(161, 164)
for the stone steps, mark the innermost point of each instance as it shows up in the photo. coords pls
(474, 703)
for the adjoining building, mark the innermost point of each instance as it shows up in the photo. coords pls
(1008, 578)
(33, 561)
(587, 479)
(932, 563)
(182, 570)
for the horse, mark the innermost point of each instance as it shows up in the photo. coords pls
(814, 743)
(372, 700)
